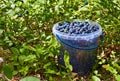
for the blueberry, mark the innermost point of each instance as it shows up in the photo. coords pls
(85, 3)
(80, 32)
(26, 12)
(65, 23)
(72, 30)
(83, 32)
(75, 23)
(88, 31)
(86, 23)
(75, 28)
(71, 24)
(94, 28)
(61, 30)
(89, 27)
(57, 28)
(78, 28)
(76, 32)
(63, 26)
(59, 24)
(81, 24)
(19, 15)
(85, 27)
(67, 28)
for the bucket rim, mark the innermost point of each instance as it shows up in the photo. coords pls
(96, 33)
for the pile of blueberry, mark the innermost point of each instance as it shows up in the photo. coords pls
(75, 28)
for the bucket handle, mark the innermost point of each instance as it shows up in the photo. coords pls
(86, 48)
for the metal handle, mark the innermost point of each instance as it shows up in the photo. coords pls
(85, 48)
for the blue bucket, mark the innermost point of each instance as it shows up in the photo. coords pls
(82, 49)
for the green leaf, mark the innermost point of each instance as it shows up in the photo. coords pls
(11, 12)
(67, 60)
(46, 65)
(84, 9)
(70, 67)
(30, 78)
(50, 71)
(40, 50)
(7, 71)
(24, 1)
(15, 72)
(15, 51)
(60, 2)
(1, 31)
(22, 50)
(21, 59)
(95, 78)
(30, 48)
(116, 66)
(117, 77)
(30, 58)
(24, 70)
(42, 1)
(110, 68)
(96, 72)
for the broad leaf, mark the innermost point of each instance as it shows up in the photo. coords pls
(15, 51)
(110, 68)
(67, 60)
(95, 78)
(7, 71)
(30, 48)
(117, 77)
(30, 79)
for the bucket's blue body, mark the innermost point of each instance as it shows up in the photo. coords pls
(81, 60)
(82, 49)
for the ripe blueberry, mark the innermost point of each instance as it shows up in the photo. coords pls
(19, 15)
(75, 28)
(85, 3)
(59, 24)
(26, 12)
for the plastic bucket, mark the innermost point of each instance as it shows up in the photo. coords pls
(82, 48)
